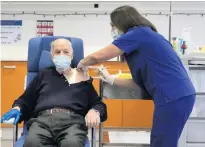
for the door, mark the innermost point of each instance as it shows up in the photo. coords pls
(12, 84)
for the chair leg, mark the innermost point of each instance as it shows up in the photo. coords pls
(15, 134)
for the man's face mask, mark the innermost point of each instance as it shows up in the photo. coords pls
(62, 62)
(116, 33)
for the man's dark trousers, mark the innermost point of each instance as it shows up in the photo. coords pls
(59, 129)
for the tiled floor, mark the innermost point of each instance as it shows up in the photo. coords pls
(7, 138)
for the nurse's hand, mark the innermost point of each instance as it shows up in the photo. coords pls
(105, 76)
(82, 68)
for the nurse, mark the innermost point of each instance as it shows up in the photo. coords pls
(155, 67)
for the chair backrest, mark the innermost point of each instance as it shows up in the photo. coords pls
(39, 56)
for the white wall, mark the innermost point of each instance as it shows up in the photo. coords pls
(95, 31)
(197, 23)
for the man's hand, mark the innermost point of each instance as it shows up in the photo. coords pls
(13, 113)
(92, 118)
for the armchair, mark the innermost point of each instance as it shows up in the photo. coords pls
(38, 59)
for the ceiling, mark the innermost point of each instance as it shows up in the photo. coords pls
(105, 6)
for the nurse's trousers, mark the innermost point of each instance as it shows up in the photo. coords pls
(169, 121)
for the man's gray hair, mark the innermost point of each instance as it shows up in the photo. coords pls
(53, 43)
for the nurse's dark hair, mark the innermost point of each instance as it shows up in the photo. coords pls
(126, 17)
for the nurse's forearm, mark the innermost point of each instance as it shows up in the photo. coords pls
(127, 83)
(102, 55)
(89, 60)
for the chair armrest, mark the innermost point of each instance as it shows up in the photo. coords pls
(15, 129)
(10, 121)
(93, 137)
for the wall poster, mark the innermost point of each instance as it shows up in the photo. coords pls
(11, 31)
(44, 28)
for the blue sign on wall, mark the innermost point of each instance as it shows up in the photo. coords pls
(11, 22)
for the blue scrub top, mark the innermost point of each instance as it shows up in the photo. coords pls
(154, 65)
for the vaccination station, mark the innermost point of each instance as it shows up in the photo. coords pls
(102, 73)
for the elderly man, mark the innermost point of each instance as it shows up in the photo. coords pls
(61, 102)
